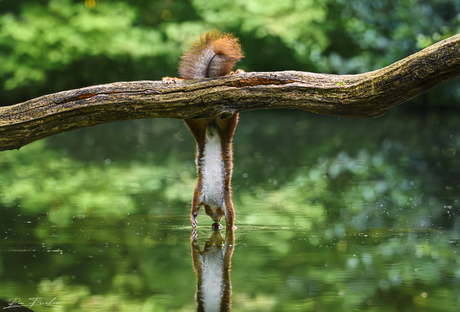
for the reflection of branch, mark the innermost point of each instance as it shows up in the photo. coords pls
(359, 96)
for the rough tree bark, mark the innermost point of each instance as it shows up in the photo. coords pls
(358, 96)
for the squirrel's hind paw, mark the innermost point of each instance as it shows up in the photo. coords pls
(236, 72)
(170, 80)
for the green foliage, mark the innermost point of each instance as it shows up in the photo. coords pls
(55, 45)
(45, 38)
(382, 32)
(298, 24)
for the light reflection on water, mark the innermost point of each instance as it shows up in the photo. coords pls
(347, 216)
(96, 264)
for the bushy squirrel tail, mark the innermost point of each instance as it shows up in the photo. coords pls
(213, 55)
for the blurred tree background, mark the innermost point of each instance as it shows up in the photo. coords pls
(102, 212)
(49, 46)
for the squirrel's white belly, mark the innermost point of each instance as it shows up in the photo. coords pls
(212, 169)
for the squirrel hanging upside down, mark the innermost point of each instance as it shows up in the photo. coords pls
(213, 55)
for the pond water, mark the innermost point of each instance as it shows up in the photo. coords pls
(331, 214)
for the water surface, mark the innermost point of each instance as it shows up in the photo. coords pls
(332, 215)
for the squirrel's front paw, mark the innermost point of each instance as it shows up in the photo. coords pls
(171, 80)
(194, 222)
(193, 219)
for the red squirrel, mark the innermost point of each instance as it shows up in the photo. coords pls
(213, 55)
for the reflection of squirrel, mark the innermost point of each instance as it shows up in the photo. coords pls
(212, 267)
(212, 56)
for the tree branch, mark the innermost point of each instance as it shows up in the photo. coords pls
(358, 96)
